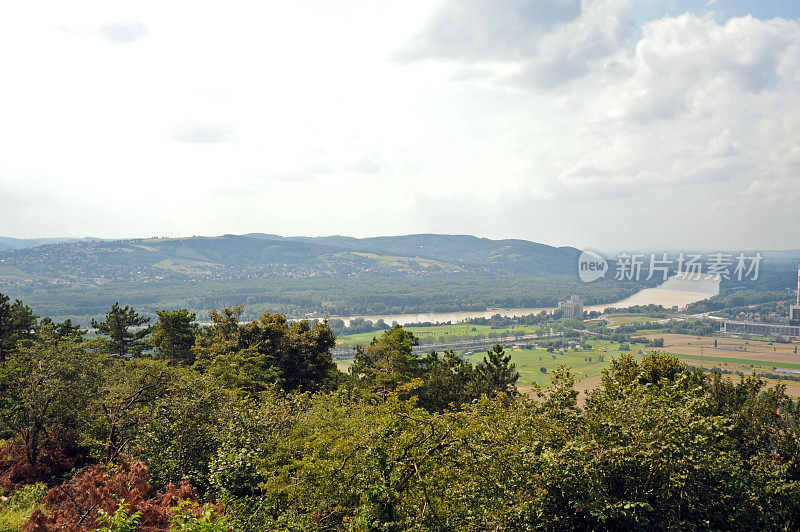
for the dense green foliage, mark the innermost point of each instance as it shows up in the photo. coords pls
(655, 448)
(17, 322)
(258, 419)
(173, 335)
(731, 299)
(17, 509)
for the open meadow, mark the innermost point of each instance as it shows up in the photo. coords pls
(583, 363)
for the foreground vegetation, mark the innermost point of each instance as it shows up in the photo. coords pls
(250, 426)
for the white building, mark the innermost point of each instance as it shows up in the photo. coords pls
(572, 307)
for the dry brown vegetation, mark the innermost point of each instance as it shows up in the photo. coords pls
(75, 505)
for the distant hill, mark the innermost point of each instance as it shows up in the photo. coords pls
(259, 255)
(300, 276)
(511, 255)
(21, 243)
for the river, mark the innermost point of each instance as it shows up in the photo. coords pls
(675, 291)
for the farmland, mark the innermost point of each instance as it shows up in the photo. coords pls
(732, 350)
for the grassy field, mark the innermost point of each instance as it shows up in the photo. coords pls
(757, 364)
(390, 261)
(444, 333)
(746, 356)
(762, 352)
(584, 364)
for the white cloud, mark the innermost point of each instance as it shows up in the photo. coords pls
(492, 118)
(194, 132)
(476, 30)
(123, 31)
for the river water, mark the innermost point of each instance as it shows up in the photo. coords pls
(675, 291)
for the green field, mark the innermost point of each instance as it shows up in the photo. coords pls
(391, 261)
(530, 361)
(445, 333)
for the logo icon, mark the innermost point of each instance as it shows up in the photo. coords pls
(591, 266)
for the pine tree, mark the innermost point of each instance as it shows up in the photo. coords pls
(496, 374)
(17, 323)
(121, 340)
(174, 334)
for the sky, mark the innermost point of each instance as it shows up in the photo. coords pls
(597, 124)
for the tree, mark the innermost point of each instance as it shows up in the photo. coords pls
(387, 363)
(269, 350)
(65, 329)
(307, 365)
(449, 382)
(121, 341)
(222, 337)
(17, 323)
(173, 335)
(179, 436)
(45, 387)
(7, 342)
(496, 374)
(659, 365)
(299, 352)
(128, 391)
(247, 370)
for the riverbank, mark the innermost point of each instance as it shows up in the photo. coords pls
(674, 292)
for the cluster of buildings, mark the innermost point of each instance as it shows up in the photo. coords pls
(769, 330)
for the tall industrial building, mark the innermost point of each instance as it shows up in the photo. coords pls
(572, 307)
(794, 310)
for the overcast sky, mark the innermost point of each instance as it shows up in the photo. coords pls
(602, 123)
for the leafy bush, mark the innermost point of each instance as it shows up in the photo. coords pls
(191, 517)
(17, 507)
(120, 520)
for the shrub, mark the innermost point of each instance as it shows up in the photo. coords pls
(17, 508)
(191, 517)
(120, 521)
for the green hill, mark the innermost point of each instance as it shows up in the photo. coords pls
(232, 256)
